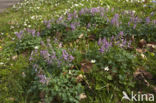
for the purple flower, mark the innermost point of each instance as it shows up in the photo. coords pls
(43, 44)
(154, 21)
(48, 25)
(82, 11)
(45, 54)
(38, 33)
(70, 16)
(75, 14)
(134, 26)
(99, 42)
(112, 9)
(148, 20)
(33, 32)
(94, 10)
(129, 23)
(42, 78)
(89, 25)
(121, 33)
(115, 20)
(71, 58)
(104, 45)
(65, 54)
(19, 34)
(72, 26)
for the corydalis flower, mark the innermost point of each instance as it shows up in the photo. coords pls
(42, 78)
(148, 20)
(104, 45)
(45, 54)
(66, 56)
(19, 34)
(115, 20)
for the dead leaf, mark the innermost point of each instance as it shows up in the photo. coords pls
(140, 50)
(141, 43)
(80, 36)
(42, 95)
(83, 96)
(132, 38)
(86, 66)
(92, 37)
(14, 57)
(140, 73)
(79, 78)
(151, 46)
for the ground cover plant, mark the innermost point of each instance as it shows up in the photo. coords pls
(92, 52)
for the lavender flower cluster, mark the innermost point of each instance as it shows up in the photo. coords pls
(32, 32)
(118, 40)
(53, 58)
(72, 18)
(39, 73)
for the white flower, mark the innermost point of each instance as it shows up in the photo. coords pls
(33, 17)
(93, 61)
(143, 56)
(106, 69)
(133, 11)
(76, 5)
(29, 26)
(36, 47)
(1, 63)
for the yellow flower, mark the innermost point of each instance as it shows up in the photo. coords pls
(0, 47)
(6, 33)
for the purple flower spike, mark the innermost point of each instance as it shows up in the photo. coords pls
(33, 33)
(45, 54)
(134, 26)
(99, 42)
(49, 26)
(38, 33)
(72, 26)
(65, 54)
(121, 33)
(148, 20)
(42, 78)
(82, 11)
(19, 34)
(115, 20)
(71, 58)
(104, 45)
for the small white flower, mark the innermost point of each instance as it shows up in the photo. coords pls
(93, 61)
(33, 17)
(29, 26)
(36, 47)
(106, 69)
(76, 5)
(1, 63)
(133, 11)
(143, 56)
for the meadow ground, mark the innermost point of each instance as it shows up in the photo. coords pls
(78, 51)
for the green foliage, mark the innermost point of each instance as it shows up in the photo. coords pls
(113, 67)
(63, 88)
(28, 42)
